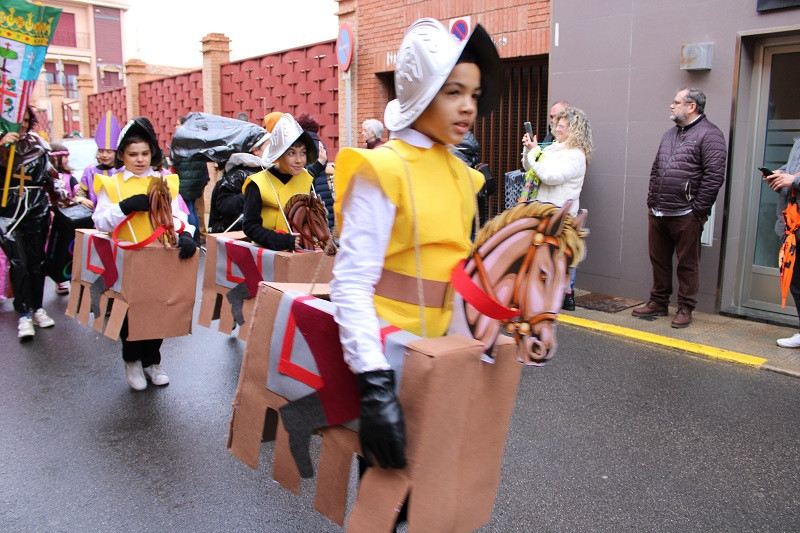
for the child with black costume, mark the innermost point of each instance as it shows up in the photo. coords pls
(23, 233)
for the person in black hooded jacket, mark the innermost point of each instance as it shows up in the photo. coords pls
(317, 168)
(227, 198)
(469, 151)
(23, 233)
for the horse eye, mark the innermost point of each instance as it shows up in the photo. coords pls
(543, 276)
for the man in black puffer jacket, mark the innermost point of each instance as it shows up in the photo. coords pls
(193, 177)
(686, 176)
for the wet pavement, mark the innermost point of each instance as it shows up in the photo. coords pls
(614, 434)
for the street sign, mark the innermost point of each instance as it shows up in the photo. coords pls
(344, 46)
(460, 27)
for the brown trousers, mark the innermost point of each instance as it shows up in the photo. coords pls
(679, 236)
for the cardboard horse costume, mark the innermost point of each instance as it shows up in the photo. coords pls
(233, 269)
(457, 392)
(150, 285)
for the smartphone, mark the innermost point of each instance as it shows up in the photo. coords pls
(529, 130)
(765, 171)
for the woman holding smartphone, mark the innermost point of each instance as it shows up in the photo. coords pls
(561, 167)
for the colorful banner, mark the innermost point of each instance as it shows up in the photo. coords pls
(25, 33)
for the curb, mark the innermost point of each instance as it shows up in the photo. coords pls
(651, 338)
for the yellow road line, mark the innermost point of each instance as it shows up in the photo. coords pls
(701, 349)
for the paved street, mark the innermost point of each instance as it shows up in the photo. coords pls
(614, 435)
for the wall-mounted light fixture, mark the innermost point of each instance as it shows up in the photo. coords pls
(697, 56)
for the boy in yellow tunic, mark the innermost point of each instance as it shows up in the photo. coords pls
(120, 195)
(406, 211)
(266, 192)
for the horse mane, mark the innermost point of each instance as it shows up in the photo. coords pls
(572, 236)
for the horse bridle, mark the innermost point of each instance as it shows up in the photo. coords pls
(511, 315)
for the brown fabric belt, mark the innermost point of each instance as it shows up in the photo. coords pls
(404, 289)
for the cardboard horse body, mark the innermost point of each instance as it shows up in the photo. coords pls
(457, 392)
(234, 267)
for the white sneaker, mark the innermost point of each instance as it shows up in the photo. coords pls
(25, 328)
(41, 319)
(62, 288)
(790, 342)
(133, 371)
(156, 375)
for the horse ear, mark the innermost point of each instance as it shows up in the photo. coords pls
(557, 221)
(580, 220)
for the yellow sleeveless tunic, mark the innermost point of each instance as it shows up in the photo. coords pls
(118, 189)
(271, 206)
(444, 190)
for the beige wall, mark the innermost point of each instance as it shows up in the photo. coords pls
(619, 60)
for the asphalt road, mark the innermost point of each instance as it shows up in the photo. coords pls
(613, 435)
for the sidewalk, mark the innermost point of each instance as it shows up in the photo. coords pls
(732, 339)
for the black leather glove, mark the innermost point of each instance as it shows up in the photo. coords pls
(137, 202)
(187, 245)
(382, 432)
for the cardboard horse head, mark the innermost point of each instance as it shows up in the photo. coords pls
(307, 216)
(514, 279)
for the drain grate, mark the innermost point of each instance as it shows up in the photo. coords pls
(603, 302)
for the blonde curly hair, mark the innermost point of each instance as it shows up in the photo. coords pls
(580, 132)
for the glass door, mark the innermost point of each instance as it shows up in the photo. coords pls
(777, 127)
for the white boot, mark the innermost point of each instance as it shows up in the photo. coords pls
(135, 375)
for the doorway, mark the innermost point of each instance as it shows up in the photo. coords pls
(776, 78)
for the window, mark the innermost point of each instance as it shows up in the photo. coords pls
(65, 31)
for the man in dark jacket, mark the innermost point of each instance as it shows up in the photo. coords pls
(686, 176)
(227, 198)
(193, 177)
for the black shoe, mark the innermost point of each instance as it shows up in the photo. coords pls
(569, 302)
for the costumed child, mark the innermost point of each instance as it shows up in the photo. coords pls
(59, 157)
(266, 192)
(27, 209)
(106, 138)
(121, 194)
(405, 211)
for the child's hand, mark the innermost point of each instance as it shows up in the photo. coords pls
(85, 202)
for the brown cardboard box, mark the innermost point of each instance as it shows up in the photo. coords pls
(220, 276)
(155, 289)
(457, 411)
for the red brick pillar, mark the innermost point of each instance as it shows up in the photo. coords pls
(57, 93)
(216, 52)
(135, 73)
(85, 88)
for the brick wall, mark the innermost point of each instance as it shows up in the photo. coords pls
(519, 29)
(301, 80)
(101, 102)
(165, 99)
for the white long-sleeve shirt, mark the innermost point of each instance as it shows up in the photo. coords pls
(107, 215)
(561, 171)
(359, 266)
